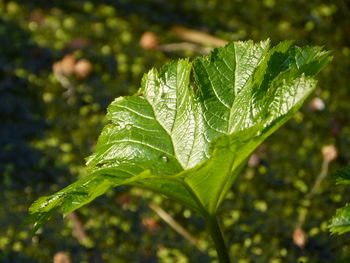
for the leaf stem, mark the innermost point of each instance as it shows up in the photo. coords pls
(218, 239)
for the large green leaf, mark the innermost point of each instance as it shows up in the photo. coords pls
(189, 140)
(340, 223)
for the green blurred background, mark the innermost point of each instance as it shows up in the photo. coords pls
(63, 62)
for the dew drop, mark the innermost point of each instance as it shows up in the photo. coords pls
(121, 126)
(164, 159)
(124, 126)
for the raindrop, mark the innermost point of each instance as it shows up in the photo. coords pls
(121, 125)
(124, 126)
(164, 159)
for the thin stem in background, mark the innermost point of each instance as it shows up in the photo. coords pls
(175, 225)
(300, 238)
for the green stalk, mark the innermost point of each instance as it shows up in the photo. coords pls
(218, 239)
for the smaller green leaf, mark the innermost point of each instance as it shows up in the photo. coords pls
(342, 176)
(340, 223)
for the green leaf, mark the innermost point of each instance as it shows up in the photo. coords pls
(189, 140)
(340, 223)
(342, 176)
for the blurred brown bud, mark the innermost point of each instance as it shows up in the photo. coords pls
(254, 160)
(57, 67)
(78, 43)
(317, 104)
(150, 224)
(299, 237)
(68, 64)
(61, 257)
(149, 40)
(124, 200)
(329, 152)
(36, 16)
(82, 68)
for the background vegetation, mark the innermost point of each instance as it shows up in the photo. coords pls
(63, 62)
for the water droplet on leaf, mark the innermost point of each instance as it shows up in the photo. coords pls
(120, 125)
(164, 159)
(124, 126)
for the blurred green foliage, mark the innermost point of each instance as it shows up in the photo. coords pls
(48, 127)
